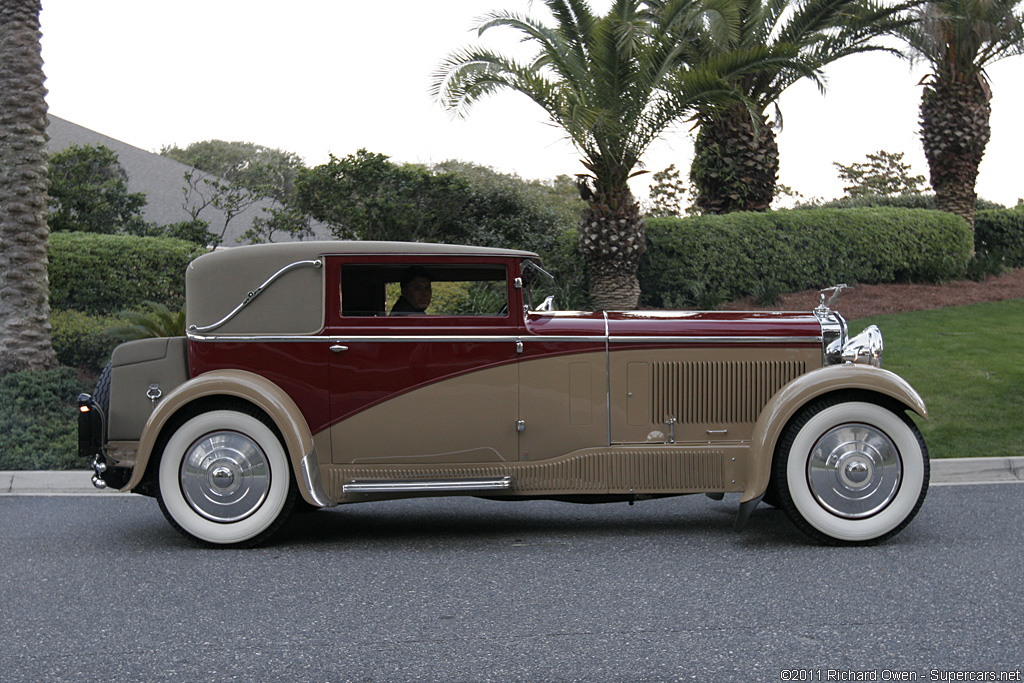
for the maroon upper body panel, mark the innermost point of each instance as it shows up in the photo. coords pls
(364, 357)
(714, 324)
(299, 368)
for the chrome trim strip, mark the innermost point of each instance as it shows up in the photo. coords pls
(426, 485)
(310, 467)
(389, 339)
(715, 340)
(505, 338)
(608, 376)
(255, 293)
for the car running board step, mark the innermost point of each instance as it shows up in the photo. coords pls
(414, 485)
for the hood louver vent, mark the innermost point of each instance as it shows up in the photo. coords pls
(717, 392)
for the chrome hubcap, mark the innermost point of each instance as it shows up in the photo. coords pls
(854, 470)
(225, 476)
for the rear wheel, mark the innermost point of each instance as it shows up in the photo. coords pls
(224, 478)
(851, 471)
(101, 394)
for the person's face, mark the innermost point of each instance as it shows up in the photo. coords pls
(418, 292)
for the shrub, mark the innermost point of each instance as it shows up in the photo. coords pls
(1000, 232)
(899, 201)
(767, 292)
(156, 321)
(39, 420)
(800, 249)
(89, 272)
(82, 340)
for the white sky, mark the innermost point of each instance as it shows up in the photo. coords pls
(332, 76)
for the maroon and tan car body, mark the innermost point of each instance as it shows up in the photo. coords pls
(523, 403)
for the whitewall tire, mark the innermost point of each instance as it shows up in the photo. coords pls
(224, 478)
(851, 471)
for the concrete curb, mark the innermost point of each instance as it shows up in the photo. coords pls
(50, 483)
(951, 471)
(945, 472)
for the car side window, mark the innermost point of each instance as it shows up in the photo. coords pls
(430, 289)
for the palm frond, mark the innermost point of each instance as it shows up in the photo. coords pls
(960, 38)
(158, 321)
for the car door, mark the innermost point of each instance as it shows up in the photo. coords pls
(563, 391)
(439, 388)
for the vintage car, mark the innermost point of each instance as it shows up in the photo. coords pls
(295, 386)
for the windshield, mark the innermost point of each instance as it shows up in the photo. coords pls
(538, 287)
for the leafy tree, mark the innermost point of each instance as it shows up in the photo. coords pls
(959, 39)
(236, 176)
(202, 191)
(195, 230)
(366, 196)
(736, 157)
(667, 193)
(614, 84)
(24, 290)
(503, 210)
(89, 193)
(285, 220)
(263, 170)
(883, 173)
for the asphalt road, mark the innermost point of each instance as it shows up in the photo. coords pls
(98, 588)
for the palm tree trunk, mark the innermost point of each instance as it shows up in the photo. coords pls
(735, 165)
(24, 287)
(612, 241)
(954, 132)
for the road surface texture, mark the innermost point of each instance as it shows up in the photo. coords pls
(461, 589)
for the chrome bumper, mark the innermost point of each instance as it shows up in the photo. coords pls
(92, 426)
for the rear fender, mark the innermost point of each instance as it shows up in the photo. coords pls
(262, 393)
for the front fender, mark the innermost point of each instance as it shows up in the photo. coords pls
(257, 390)
(781, 408)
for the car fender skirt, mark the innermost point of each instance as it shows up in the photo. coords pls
(262, 393)
(781, 408)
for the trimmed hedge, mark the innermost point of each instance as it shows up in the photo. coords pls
(103, 274)
(39, 420)
(82, 340)
(800, 249)
(1001, 232)
(902, 201)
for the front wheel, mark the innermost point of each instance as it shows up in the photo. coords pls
(851, 471)
(224, 478)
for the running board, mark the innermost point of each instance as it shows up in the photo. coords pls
(426, 485)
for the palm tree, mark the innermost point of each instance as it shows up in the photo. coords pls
(613, 84)
(736, 158)
(24, 289)
(959, 39)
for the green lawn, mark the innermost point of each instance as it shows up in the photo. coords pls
(967, 362)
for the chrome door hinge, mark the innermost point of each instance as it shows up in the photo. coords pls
(521, 425)
(519, 347)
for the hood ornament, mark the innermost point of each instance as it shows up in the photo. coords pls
(825, 306)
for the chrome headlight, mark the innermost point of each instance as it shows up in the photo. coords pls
(865, 348)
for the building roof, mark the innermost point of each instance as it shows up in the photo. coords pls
(161, 178)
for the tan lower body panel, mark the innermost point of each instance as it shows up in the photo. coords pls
(646, 470)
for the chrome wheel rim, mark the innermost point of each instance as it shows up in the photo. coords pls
(225, 476)
(854, 470)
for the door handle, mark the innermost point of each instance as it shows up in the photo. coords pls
(337, 348)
